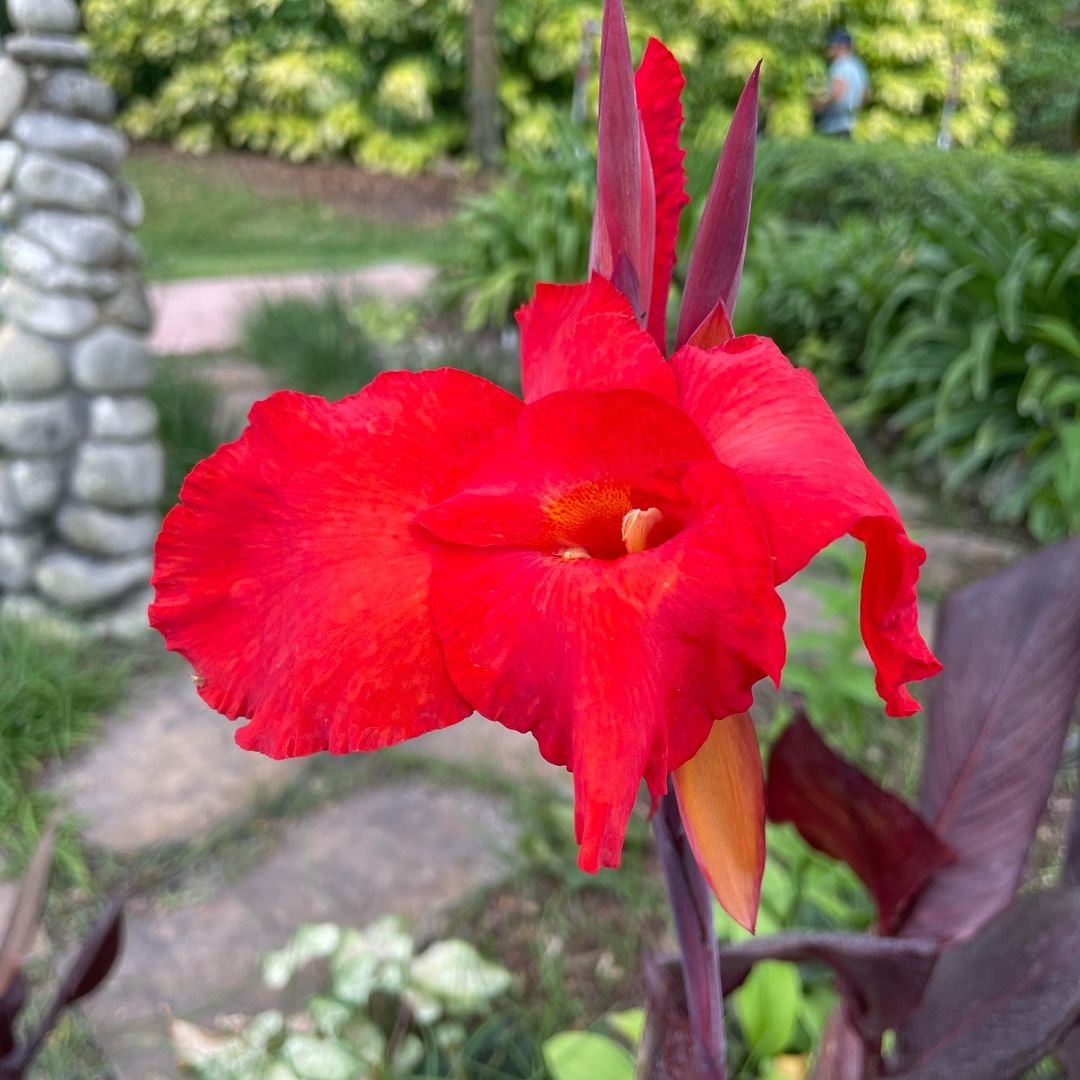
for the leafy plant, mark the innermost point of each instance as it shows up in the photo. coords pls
(50, 698)
(975, 981)
(386, 1010)
(187, 408)
(534, 225)
(315, 346)
(975, 357)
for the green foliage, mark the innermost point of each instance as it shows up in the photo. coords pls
(385, 1009)
(311, 345)
(587, 1055)
(51, 695)
(383, 83)
(974, 359)
(532, 226)
(1041, 72)
(187, 406)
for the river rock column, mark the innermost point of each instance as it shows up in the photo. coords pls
(81, 469)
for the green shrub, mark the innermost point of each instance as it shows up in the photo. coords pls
(383, 81)
(311, 345)
(532, 226)
(187, 408)
(974, 359)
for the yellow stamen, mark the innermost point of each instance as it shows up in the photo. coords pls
(636, 526)
(574, 553)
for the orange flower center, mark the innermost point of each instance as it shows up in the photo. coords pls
(599, 521)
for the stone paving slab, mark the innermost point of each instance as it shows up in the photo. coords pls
(206, 315)
(407, 849)
(165, 769)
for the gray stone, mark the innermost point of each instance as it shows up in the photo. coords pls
(29, 365)
(123, 419)
(8, 206)
(119, 476)
(44, 180)
(36, 264)
(13, 515)
(46, 620)
(44, 16)
(72, 137)
(9, 154)
(50, 49)
(343, 864)
(130, 306)
(40, 426)
(78, 93)
(111, 360)
(78, 583)
(955, 557)
(89, 240)
(13, 86)
(132, 207)
(37, 483)
(51, 314)
(17, 555)
(104, 532)
(174, 770)
(127, 621)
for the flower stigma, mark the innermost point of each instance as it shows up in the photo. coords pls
(636, 527)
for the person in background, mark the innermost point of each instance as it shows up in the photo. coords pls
(849, 83)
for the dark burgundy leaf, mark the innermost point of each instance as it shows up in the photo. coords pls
(883, 979)
(691, 907)
(1070, 871)
(91, 965)
(843, 813)
(667, 1045)
(840, 1053)
(1001, 1000)
(11, 1004)
(617, 223)
(1068, 1053)
(998, 717)
(25, 918)
(716, 261)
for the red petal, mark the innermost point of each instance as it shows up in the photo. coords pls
(659, 83)
(846, 815)
(618, 666)
(580, 337)
(721, 793)
(617, 252)
(809, 486)
(716, 261)
(293, 578)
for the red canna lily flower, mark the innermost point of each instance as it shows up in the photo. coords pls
(596, 564)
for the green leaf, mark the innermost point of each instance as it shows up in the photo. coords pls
(313, 941)
(586, 1055)
(455, 973)
(629, 1024)
(317, 1059)
(767, 1007)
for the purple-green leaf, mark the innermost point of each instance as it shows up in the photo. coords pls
(840, 1053)
(716, 262)
(1001, 1000)
(617, 243)
(998, 718)
(25, 917)
(883, 979)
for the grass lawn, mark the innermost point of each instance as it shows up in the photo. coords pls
(202, 221)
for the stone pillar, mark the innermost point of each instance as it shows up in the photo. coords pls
(81, 469)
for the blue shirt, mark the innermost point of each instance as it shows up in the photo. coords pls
(840, 115)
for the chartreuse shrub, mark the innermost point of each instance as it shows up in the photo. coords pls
(383, 81)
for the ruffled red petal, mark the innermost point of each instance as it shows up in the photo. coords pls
(293, 578)
(809, 486)
(617, 665)
(659, 83)
(578, 337)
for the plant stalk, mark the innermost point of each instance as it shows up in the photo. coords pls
(691, 905)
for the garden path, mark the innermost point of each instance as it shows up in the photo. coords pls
(206, 315)
(269, 844)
